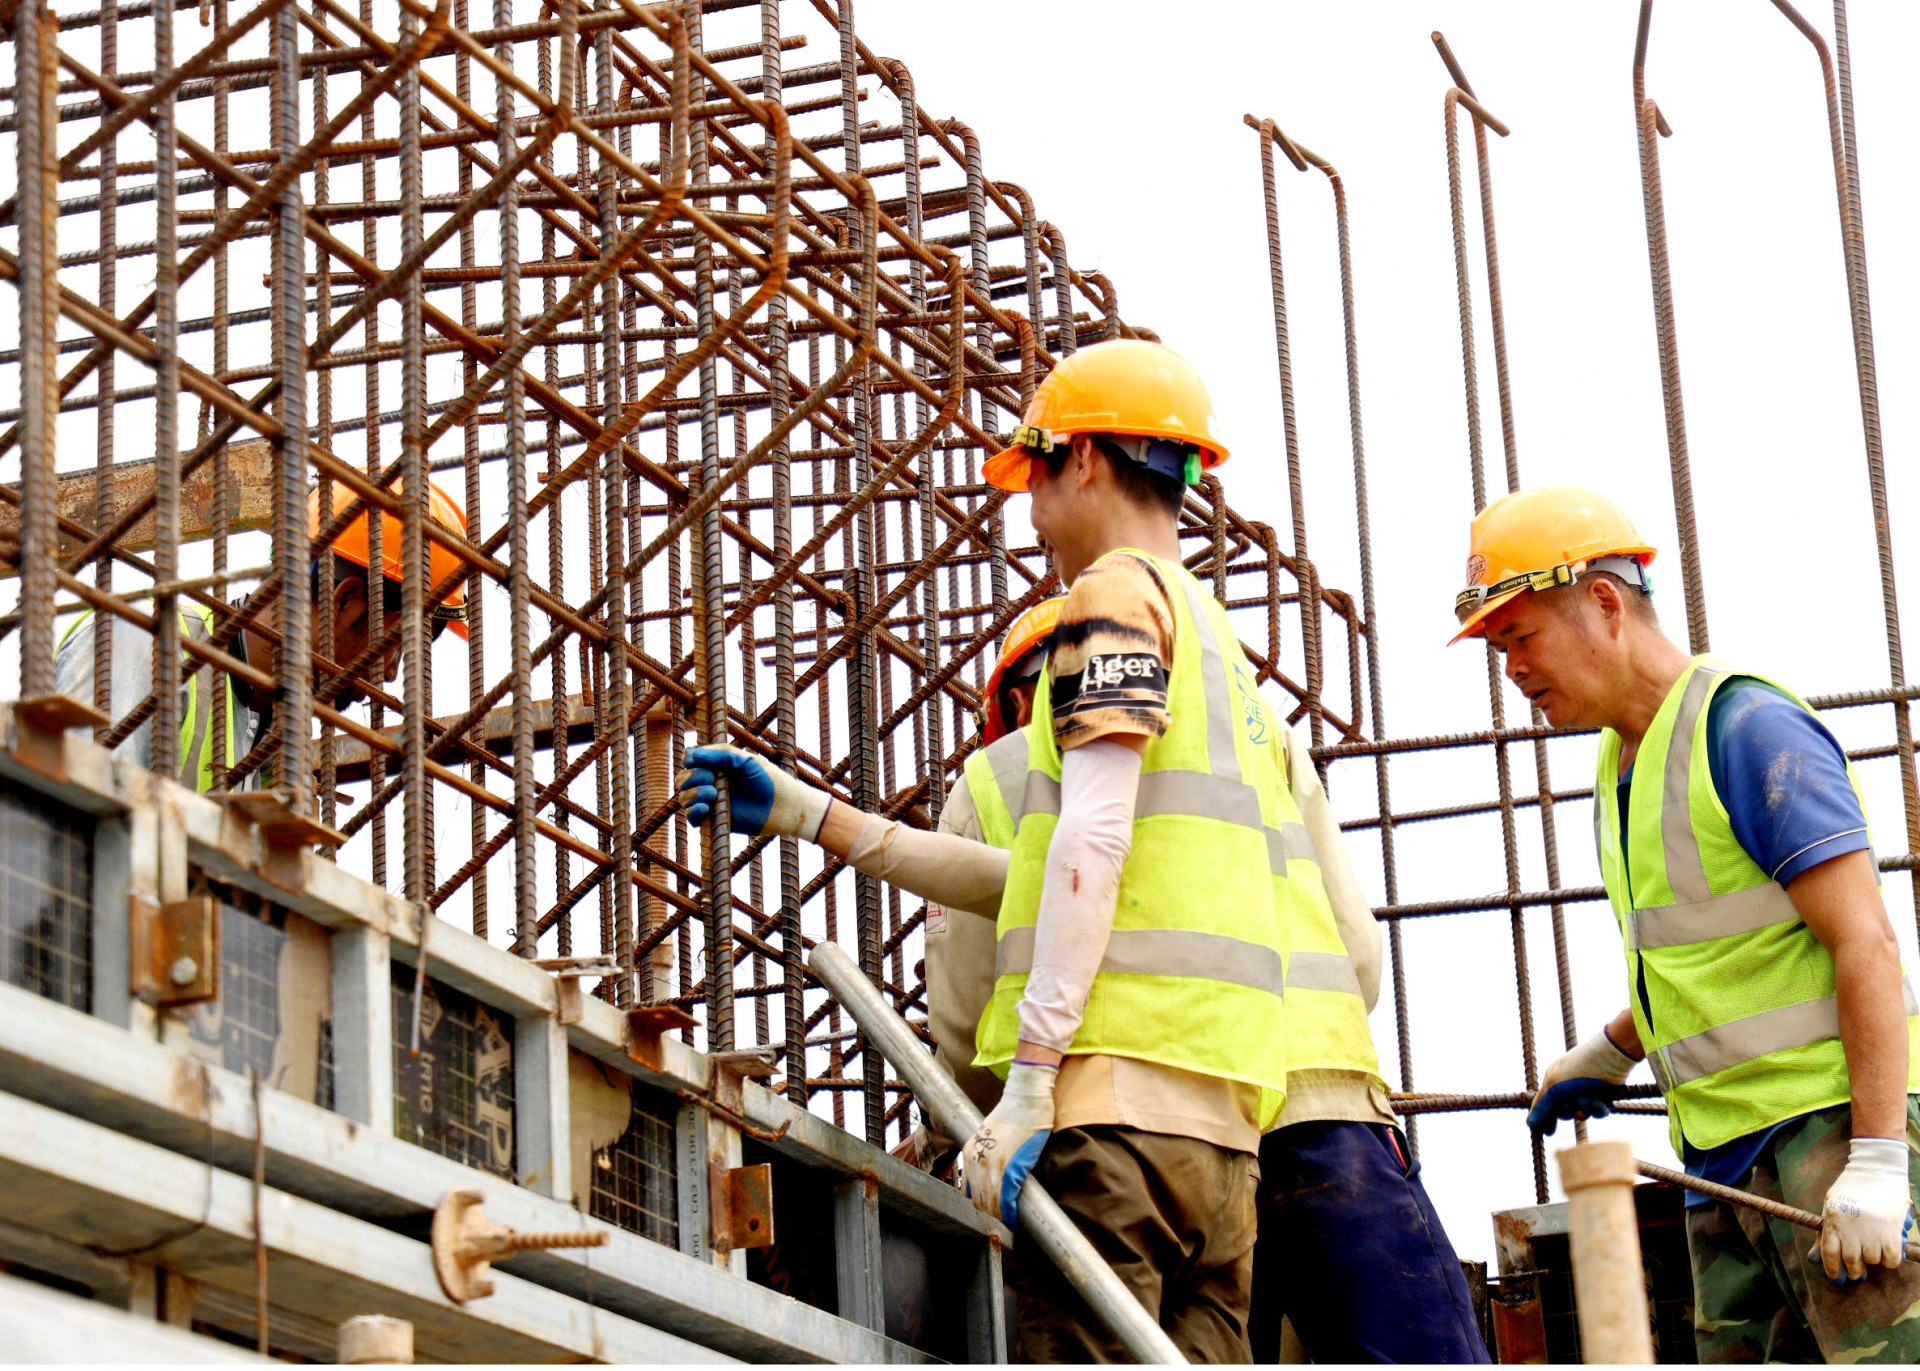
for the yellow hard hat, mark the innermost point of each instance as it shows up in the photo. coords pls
(352, 545)
(1538, 539)
(1031, 630)
(1126, 387)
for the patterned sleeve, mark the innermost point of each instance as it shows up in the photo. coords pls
(1111, 652)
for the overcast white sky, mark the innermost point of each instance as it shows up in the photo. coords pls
(1123, 121)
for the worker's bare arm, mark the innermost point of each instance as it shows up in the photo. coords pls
(1623, 1035)
(1840, 901)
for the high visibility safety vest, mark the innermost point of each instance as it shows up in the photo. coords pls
(1195, 968)
(1732, 993)
(197, 758)
(1326, 1014)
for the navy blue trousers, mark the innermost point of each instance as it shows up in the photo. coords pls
(1351, 1250)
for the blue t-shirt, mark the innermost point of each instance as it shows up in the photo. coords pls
(1783, 780)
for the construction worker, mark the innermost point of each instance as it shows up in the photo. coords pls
(249, 710)
(1142, 911)
(1350, 1248)
(1763, 980)
(959, 943)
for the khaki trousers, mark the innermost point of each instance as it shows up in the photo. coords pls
(1174, 1218)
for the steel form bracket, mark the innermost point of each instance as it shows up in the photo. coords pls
(743, 1207)
(175, 950)
(39, 732)
(285, 834)
(569, 1000)
(647, 1025)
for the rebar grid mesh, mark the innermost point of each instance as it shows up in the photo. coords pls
(706, 326)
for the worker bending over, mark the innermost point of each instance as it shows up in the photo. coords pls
(249, 709)
(1764, 983)
(1141, 911)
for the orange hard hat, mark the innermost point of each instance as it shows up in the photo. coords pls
(1126, 387)
(351, 543)
(1026, 634)
(1538, 539)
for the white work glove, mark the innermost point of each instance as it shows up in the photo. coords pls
(761, 798)
(1868, 1212)
(1584, 1083)
(1003, 1149)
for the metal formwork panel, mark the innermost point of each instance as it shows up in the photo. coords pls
(46, 898)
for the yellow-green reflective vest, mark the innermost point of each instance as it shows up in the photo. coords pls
(197, 757)
(1326, 1014)
(1195, 968)
(1739, 1016)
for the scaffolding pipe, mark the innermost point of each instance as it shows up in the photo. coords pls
(953, 1113)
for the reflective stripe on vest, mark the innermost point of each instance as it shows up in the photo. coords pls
(1161, 952)
(1773, 1030)
(1189, 792)
(1718, 1080)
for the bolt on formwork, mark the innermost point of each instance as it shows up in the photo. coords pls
(703, 325)
(1370, 742)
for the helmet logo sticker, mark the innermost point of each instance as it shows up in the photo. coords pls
(1476, 569)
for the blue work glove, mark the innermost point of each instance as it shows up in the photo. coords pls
(1582, 1097)
(1587, 1081)
(1003, 1149)
(761, 798)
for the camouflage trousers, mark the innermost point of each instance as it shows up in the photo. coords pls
(1757, 1297)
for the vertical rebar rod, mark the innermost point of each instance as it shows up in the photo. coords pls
(293, 702)
(710, 609)
(164, 746)
(1649, 125)
(620, 676)
(35, 82)
(1309, 601)
(108, 286)
(1854, 233)
(519, 550)
(779, 382)
(1502, 764)
(861, 665)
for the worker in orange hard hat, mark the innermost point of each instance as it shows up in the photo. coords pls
(1007, 701)
(248, 710)
(1763, 978)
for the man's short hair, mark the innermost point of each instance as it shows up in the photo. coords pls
(1639, 603)
(1136, 484)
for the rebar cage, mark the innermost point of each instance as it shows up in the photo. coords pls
(707, 343)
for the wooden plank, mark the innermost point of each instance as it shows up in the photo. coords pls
(249, 500)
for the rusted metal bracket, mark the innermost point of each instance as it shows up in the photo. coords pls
(647, 1025)
(743, 1207)
(39, 729)
(286, 832)
(175, 950)
(568, 972)
(465, 1245)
